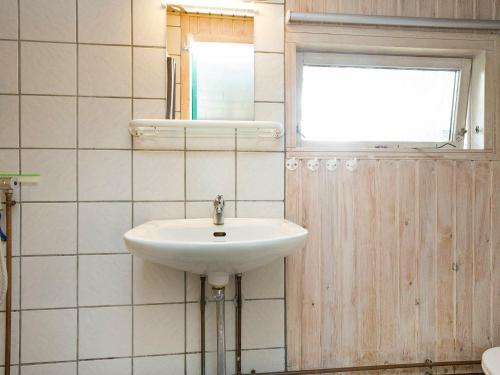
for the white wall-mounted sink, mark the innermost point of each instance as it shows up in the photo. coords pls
(199, 246)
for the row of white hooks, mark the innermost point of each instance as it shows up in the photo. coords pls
(313, 164)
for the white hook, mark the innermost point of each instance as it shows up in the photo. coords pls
(351, 165)
(332, 164)
(313, 164)
(292, 164)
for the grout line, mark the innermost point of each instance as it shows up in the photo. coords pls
(19, 57)
(77, 157)
(132, 108)
(81, 43)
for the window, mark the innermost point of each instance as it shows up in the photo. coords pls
(382, 101)
(222, 81)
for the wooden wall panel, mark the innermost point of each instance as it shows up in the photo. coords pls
(468, 9)
(402, 263)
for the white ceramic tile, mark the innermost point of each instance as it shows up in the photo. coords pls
(272, 210)
(193, 326)
(101, 227)
(269, 28)
(150, 108)
(48, 68)
(146, 211)
(265, 112)
(57, 170)
(104, 70)
(154, 283)
(9, 121)
(104, 22)
(149, 23)
(149, 72)
(209, 174)
(49, 228)
(158, 175)
(48, 121)
(120, 366)
(260, 176)
(104, 280)
(103, 122)
(265, 282)
(263, 324)
(50, 20)
(174, 40)
(196, 210)
(8, 62)
(158, 329)
(173, 364)
(154, 108)
(104, 175)
(105, 332)
(48, 335)
(193, 363)
(68, 368)
(266, 360)
(8, 19)
(14, 357)
(40, 286)
(269, 77)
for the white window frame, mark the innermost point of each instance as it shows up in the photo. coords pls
(461, 64)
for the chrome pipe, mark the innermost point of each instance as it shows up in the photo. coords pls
(219, 295)
(356, 19)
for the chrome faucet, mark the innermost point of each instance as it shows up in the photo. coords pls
(219, 210)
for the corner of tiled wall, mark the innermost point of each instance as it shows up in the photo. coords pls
(73, 73)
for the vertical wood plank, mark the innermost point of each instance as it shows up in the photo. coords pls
(407, 8)
(349, 6)
(311, 275)
(331, 6)
(388, 259)
(445, 9)
(366, 273)
(496, 9)
(495, 277)
(386, 7)
(349, 333)
(483, 9)
(426, 8)
(331, 287)
(445, 253)
(426, 261)
(464, 9)
(294, 288)
(464, 259)
(407, 182)
(481, 311)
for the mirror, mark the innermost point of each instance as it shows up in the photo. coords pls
(214, 55)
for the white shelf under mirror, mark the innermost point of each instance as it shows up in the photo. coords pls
(205, 128)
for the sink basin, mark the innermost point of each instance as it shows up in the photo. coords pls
(199, 246)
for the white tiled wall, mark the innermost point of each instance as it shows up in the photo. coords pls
(72, 73)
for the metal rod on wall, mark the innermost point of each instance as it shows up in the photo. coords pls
(238, 324)
(356, 19)
(427, 364)
(9, 203)
(202, 323)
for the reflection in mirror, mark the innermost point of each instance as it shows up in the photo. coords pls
(215, 65)
(221, 81)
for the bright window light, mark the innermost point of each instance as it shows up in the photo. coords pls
(378, 104)
(222, 81)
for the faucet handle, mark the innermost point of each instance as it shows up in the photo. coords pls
(219, 199)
